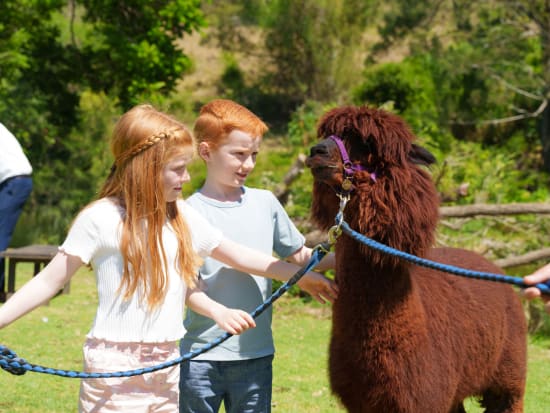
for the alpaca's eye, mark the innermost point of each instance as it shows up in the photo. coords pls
(369, 145)
(363, 148)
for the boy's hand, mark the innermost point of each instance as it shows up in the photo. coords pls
(319, 287)
(234, 321)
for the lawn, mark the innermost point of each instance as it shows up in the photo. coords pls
(53, 336)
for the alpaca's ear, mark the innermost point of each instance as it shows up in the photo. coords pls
(421, 156)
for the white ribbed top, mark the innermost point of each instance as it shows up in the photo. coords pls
(95, 238)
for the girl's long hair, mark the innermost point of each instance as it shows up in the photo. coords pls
(143, 141)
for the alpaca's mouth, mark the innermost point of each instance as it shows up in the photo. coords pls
(322, 171)
(317, 165)
(323, 167)
(326, 174)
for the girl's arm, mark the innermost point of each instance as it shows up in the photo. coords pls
(40, 288)
(251, 261)
(303, 255)
(231, 320)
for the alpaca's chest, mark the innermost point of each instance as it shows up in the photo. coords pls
(377, 326)
(380, 353)
(384, 327)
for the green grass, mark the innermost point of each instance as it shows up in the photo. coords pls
(53, 336)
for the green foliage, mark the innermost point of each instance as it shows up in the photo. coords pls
(65, 70)
(310, 52)
(415, 89)
(35, 93)
(493, 175)
(311, 44)
(135, 51)
(494, 58)
(68, 179)
(302, 128)
(232, 78)
(402, 18)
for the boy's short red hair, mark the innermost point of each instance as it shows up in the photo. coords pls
(220, 117)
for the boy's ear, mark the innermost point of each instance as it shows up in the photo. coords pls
(204, 151)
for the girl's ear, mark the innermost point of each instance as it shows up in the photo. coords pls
(204, 151)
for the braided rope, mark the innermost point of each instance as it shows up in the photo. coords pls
(451, 269)
(18, 366)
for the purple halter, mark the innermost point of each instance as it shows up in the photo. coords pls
(349, 167)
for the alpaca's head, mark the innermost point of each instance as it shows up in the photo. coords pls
(392, 198)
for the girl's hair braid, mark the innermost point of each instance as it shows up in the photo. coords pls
(142, 146)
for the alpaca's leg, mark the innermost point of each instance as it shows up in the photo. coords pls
(507, 390)
(502, 402)
(505, 393)
(458, 409)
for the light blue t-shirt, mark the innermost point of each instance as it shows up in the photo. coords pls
(260, 222)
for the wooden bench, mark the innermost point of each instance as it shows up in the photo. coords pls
(39, 255)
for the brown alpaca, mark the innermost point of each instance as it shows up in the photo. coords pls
(407, 338)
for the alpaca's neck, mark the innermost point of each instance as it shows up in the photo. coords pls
(371, 278)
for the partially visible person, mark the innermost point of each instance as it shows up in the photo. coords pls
(237, 373)
(144, 244)
(15, 188)
(542, 275)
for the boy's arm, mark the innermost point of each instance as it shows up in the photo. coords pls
(231, 320)
(251, 261)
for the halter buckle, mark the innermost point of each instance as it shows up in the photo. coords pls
(346, 184)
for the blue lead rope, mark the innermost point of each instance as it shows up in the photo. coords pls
(463, 272)
(18, 366)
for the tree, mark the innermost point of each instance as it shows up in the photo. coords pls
(134, 50)
(307, 50)
(495, 54)
(313, 46)
(53, 52)
(35, 90)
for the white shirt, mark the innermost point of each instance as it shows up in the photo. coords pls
(13, 161)
(95, 238)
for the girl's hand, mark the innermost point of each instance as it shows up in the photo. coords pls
(319, 287)
(234, 321)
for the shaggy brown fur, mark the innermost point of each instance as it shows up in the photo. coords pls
(406, 338)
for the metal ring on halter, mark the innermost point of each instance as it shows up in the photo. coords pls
(336, 231)
(344, 198)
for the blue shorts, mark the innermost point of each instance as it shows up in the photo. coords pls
(244, 386)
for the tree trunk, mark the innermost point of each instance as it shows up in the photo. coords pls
(545, 138)
(544, 27)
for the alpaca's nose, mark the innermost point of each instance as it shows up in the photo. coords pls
(319, 149)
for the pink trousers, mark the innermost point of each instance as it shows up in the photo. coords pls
(152, 392)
